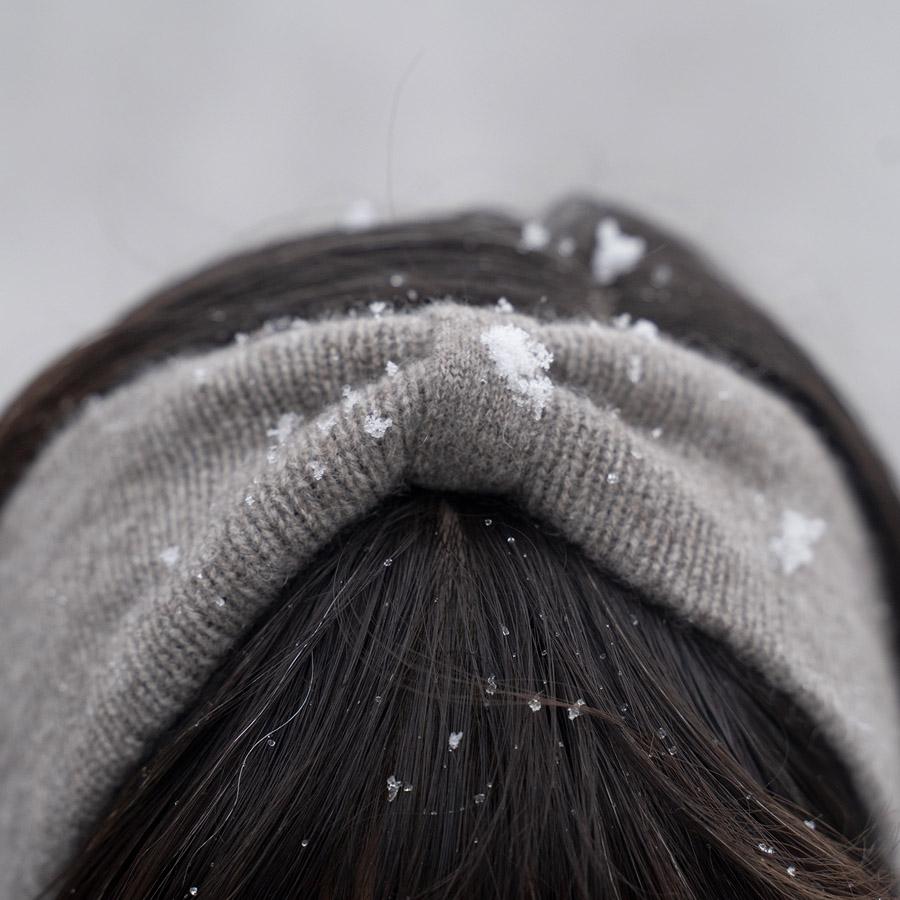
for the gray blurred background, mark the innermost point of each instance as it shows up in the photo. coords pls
(142, 138)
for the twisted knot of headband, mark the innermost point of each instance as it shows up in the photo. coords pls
(160, 521)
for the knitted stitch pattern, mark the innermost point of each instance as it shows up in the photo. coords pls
(157, 525)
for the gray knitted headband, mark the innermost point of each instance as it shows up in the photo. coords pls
(155, 527)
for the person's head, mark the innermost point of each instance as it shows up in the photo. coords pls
(451, 698)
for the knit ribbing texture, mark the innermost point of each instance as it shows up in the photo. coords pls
(161, 520)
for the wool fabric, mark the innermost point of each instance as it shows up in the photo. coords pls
(163, 518)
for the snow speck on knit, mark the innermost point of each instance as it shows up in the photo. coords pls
(317, 468)
(793, 545)
(285, 427)
(169, 556)
(504, 306)
(635, 368)
(351, 397)
(391, 368)
(615, 253)
(519, 360)
(326, 423)
(376, 425)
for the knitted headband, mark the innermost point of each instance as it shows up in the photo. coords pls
(156, 526)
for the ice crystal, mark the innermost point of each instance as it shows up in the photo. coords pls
(534, 704)
(317, 469)
(454, 739)
(170, 555)
(391, 368)
(394, 786)
(376, 425)
(574, 710)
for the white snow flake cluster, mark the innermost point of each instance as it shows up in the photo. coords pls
(535, 236)
(615, 253)
(376, 425)
(169, 556)
(285, 427)
(519, 360)
(317, 468)
(793, 545)
(393, 787)
(642, 328)
(454, 739)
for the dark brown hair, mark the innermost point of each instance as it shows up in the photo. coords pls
(607, 748)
